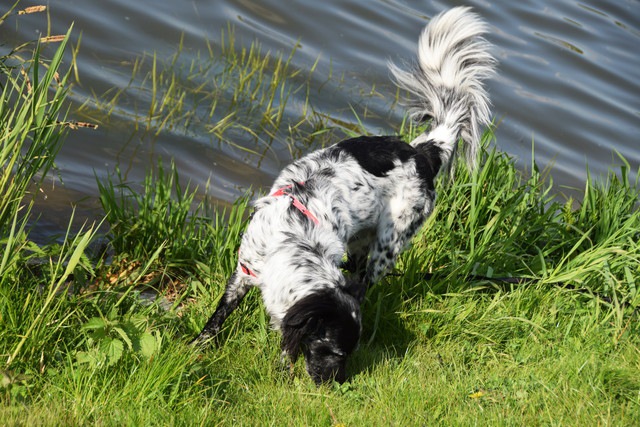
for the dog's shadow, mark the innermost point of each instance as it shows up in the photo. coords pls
(384, 332)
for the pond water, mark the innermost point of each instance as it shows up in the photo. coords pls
(569, 80)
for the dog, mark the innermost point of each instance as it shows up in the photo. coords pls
(364, 199)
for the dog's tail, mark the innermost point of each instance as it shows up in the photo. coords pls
(453, 62)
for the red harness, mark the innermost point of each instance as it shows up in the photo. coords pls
(296, 204)
(246, 270)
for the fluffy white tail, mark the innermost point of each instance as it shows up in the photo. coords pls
(453, 61)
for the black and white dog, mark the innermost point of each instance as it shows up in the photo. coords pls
(364, 197)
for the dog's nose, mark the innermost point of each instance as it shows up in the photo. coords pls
(338, 375)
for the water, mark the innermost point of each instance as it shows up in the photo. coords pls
(569, 79)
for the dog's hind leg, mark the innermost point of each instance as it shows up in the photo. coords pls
(237, 287)
(393, 236)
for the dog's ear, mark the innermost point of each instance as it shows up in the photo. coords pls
(297, 324)
(305, 318)
(313, 314)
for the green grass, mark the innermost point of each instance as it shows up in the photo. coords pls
(81, 345)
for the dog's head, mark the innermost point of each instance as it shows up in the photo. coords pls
(325, 327)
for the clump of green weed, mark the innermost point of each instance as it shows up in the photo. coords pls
(166, 230)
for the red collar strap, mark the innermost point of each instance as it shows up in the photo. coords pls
(246, 270)
(296, 202)
(298, 205)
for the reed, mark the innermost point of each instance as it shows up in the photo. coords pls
(32, 114)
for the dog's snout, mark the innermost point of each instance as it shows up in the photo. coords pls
(325, 375)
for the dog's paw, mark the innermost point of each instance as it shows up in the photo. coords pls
(203, 340)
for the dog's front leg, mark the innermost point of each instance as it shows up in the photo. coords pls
(356, 263)
(356, 266)
(358, 250)
(237, 287)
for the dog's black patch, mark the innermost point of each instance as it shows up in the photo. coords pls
(378, 155)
